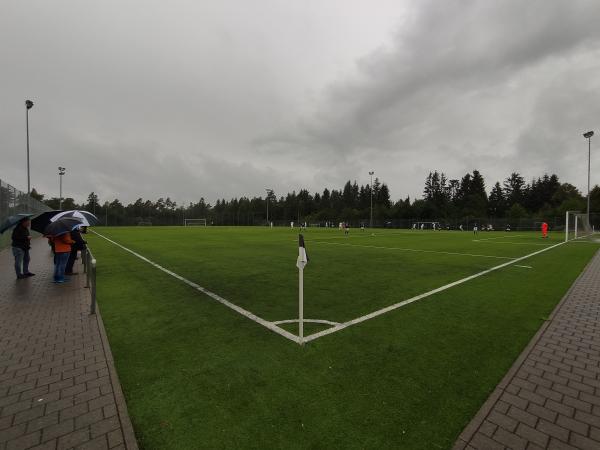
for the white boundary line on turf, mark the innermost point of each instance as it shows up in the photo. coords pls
(265, 323)
(387, 309)
(413, 250)
(325, 322)
(501, 237)
(538, 244)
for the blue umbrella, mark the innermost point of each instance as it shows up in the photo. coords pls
(12, 221)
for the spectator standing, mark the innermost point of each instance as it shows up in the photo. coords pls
(79, 244)
(21, 243)
(62, 250)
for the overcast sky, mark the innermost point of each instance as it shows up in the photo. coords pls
(223, 98)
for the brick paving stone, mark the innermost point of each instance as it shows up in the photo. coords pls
(23, 442)
(58, 386)
(550, 398)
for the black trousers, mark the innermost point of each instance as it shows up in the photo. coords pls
(72, 257)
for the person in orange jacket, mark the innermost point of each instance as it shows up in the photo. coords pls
(62, 250)
(545, 230)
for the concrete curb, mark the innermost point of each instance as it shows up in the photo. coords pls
(126, 425)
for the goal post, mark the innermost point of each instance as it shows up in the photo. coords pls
(194, 222)
(577, 226)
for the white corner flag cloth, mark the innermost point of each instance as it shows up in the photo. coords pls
(302, 256)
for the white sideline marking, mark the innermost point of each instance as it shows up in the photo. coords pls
(325, 322)
(500, 237)
(524, 267)
(387, 309)
(265, 323)
(415, 250)
(515, 243)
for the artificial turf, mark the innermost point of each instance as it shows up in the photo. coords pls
(198, 375)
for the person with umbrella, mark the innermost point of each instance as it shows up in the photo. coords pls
(79, 244)
(21, 243)
(59, 232)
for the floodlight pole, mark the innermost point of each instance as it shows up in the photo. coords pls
(269, 192)
(588, 136)
(28, 106)
(61, 172)
(371, 221)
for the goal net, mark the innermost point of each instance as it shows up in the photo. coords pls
(577, 226)
(194, 222)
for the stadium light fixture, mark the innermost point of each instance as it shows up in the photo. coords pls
(61, 172)
(371, 189)
(588, 135)
(28, 106)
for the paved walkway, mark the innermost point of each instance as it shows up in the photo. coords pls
(58, 386)
(550, 399)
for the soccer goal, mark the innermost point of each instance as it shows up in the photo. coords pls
(194, 222)
(144, 224)
(577, 226)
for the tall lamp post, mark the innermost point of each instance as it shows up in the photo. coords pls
(371, 221)
(28, 106)
(588, 136)
(61, 172)
(269, 193)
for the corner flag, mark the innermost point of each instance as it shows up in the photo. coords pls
(302, 256)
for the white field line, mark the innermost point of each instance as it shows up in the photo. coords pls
(265, 323)
(524, 267)
(501, 237)
(325, 322)
(415, 250)
(387, 309)
(516, 243)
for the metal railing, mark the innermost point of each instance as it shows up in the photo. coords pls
(14, 201)
(89, 268)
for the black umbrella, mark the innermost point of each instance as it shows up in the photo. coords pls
(12, 221)
(40, 222)
(62, 226)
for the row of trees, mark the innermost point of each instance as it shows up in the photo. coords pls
(443, 199)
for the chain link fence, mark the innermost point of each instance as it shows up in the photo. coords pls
(14, 201)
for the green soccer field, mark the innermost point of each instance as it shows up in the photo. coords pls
(197, 373)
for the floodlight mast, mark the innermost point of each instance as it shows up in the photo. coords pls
(588, 135)
(61, 172)
(28, 106)
(269, 193)
(371, 221)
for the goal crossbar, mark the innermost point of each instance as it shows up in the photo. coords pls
(194, 222)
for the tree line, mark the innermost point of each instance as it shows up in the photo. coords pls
(443, 199)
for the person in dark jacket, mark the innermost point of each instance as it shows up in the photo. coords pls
(21, 243)
(78, 245)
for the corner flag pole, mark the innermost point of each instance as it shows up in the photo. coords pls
(300, 263)
(301, 305)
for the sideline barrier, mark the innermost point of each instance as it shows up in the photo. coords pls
(89, 268)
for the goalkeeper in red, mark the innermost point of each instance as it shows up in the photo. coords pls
(544, 230)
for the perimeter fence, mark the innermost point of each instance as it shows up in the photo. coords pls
(14, 201)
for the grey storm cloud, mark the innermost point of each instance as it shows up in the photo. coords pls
(222, 99)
